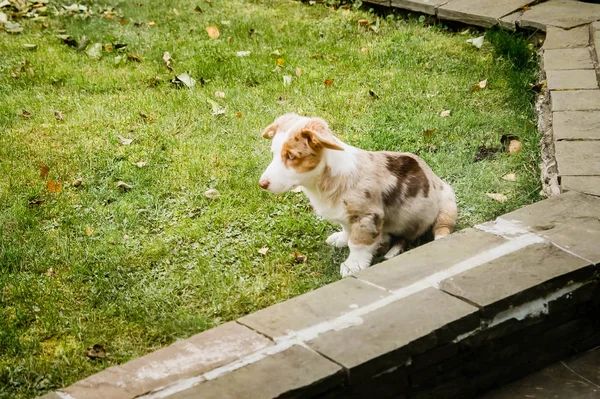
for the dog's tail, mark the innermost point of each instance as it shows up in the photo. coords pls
(446, 219)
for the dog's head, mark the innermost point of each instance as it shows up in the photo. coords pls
(298, 145)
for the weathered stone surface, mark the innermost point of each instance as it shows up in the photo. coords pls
(557, 38)
(510, 21)
(576, 125)
(578, 158)
(50, 395)
(384, 338)
(570, 220)
(484, 13)
(570, 58)
(424, 6)
(575, 100)
(560, 13)
(191, 357)
(308, 310)
(517, 277)
(555, 381)
(572, 79)
(296, 373)
(423, 261)
(582, 184)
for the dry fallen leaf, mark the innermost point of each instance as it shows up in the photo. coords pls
(140, 164)
(238, 115)
(364, 49)
(123, 22)
(134, 57)
(263, 250)
(445, 113)
(429, 132)
(26, 114)
(167, 59)
(328, 82)
(58, 115)
(124, 140)
(77, 182)
(479, 86)
(219, 94)
(151, 23)
(298, 72)
(497, 197)
(363, 22)
(373, 94)
(280, 61)
(287, 80)
(212, 194)
(44, 170)
(50, 272)
(298, 257)
(216, 108)
(514, 146)
(215, 159)
(243, 53)
(53, 187)
(96, 352)
(36, 202)
(121, 185)
(213, 32)
(89, 231)
(510, 177)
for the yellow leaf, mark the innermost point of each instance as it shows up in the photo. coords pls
(298, 72)
(53, 187)
(213, 32)
(497, 197)
(89, 231)
(280, 61)
(328, 82)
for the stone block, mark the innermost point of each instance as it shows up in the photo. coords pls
(570, 58)
(582, 184)
(517, 278)
(567, 302)
(571, 79)
(295, 373)
(50, 395)
(426, 260)
(559, 13)
(578, 158)
(575, 100)
(484, 13)
(307, 310)
(379, 2)
(433, 356)
(510, 21)
(424, 6)
(576, 125)
(557, 38)
(191, 357)
(385, 338)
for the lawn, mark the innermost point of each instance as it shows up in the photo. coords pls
(87, 260)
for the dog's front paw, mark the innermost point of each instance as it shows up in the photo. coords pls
(339, 239)
(349, 267)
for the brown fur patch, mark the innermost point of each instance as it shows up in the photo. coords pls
(410, 179)
(296, 153)
(365, 228)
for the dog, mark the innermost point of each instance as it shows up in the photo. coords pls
(383, 200)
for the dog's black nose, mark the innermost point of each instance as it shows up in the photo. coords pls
(264, 183)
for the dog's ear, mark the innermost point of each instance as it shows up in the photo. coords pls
(270, 131)
(316, 141)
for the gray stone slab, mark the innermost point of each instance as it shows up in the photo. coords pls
(423, 261)
(380, 2)
(576, 125)
(572, 79)
(50, 395)
(510, 21)
(518, 277)
(557, 38)
(294, 373)
(571, 58)
(424, 6)
(575, 100)
(556, 381)
(191, 357)
(582, 184)
(386, 337)
(560, 13)
(570, 220)
(484, 13)
(578, 158)
(308, 309)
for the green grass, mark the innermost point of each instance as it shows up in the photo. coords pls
(164, 262)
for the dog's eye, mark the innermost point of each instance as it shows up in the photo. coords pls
(290, 156)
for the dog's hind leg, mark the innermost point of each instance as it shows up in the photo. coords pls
(339, 239)
(446, 220)
(396, 248)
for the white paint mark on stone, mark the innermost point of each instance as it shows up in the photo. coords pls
(64, 395)
(353, 306)
(504, 228)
